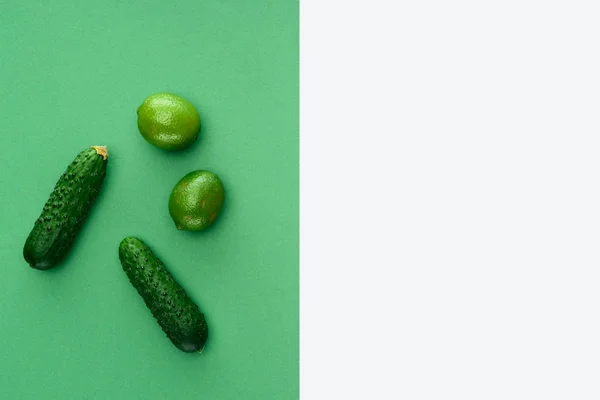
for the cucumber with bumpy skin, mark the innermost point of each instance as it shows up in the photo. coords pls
(65, 211)
(175, 312)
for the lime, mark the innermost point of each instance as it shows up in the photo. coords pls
(196, 200)
(168, 121)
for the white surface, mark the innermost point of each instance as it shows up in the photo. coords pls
(450, 200)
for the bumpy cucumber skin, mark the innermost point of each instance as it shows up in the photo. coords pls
(65, 211)
(176, 313)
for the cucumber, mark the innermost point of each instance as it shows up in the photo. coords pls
(176, 313)
(65, 211)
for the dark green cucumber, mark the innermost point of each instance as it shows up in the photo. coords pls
(176, 313)
(65, 211)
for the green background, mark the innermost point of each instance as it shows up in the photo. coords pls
(71, 76)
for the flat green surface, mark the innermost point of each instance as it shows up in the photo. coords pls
(71, 76)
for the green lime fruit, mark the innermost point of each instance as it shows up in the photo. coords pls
(168, 121)
(196, 200)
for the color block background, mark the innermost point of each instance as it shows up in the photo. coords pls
(72, 75)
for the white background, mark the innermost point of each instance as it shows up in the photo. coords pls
(450, 199)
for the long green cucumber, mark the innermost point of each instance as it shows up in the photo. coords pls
(65, 211)
(176, 313)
